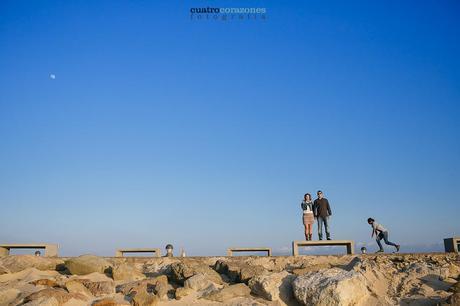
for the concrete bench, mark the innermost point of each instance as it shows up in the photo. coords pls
(121, 252)
(452, 244)
(51, 250)
(348, 243)
(231, 250)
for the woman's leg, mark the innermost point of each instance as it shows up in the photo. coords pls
(306, 231)
(385, 238)
(378, 238)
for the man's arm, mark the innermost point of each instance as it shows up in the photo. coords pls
(315, 208)
(328, 208)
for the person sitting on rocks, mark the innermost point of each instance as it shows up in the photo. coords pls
(381, 233)
(37, 253)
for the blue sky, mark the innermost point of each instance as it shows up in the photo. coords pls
(205, 134)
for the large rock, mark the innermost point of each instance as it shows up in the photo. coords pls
(198, 282)
(331, 287)
(45, 282)
(87, 264)
(158, 285)
(43, 301)
(126, 272)
(110, 301)
(274, 286)
(75, 302)
(3, 270)
(28, 275)
(98, 288)
(180, 271)
(8, 296)
(454, 299)
(60, 295)
(141, 297)
(74, 286)
(238, 271)
(230, 292)
(16, 263)
(182, 292)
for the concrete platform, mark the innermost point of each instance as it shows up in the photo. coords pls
(230, 251)
(452, 244)
(350, 244)
(51, 250)
(121, 252)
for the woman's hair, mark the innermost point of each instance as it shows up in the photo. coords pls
(369, 220)
(309, 196)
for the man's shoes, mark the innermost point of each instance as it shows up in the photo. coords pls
(328, 238)
(320, 239)
(379, 251)
(397, 248)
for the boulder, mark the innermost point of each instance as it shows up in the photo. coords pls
(182, 292)
(126, 272)
(93, 277)
(75, 302)
(273, 286)
(180, 271)
(60, 295)
(87, 264)
(230, 292)
(454, 299)
(16, 263)
(8, 296)
(311, 268)
(110, 301)
(28, 275)
(238, 271)
(45, 282)
(331, 287)
(141, 297)
(158, 285)
(74, 286)
(198, 282)
(98, 288)
(3, 270)
(43, 301)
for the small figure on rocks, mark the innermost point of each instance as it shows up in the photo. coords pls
(169, 250)
(37, 253)
(381, 233)
(322, 211)
(308, 216)
(363, 250)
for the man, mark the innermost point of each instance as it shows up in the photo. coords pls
(322, 211)
(381, 233)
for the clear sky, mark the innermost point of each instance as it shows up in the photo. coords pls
(206, 133)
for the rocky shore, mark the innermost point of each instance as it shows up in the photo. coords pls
(393, 279)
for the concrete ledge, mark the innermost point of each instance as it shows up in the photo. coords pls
(255, 249)
(350, 244)
(51, 250)
(121, 252)
(452, 244)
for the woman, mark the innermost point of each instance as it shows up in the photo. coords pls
(381, 233)
(308, 217)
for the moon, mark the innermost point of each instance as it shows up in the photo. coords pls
(52, 76)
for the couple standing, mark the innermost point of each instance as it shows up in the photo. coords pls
(318, 209)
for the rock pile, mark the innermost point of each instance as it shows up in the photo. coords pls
(409, 279)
